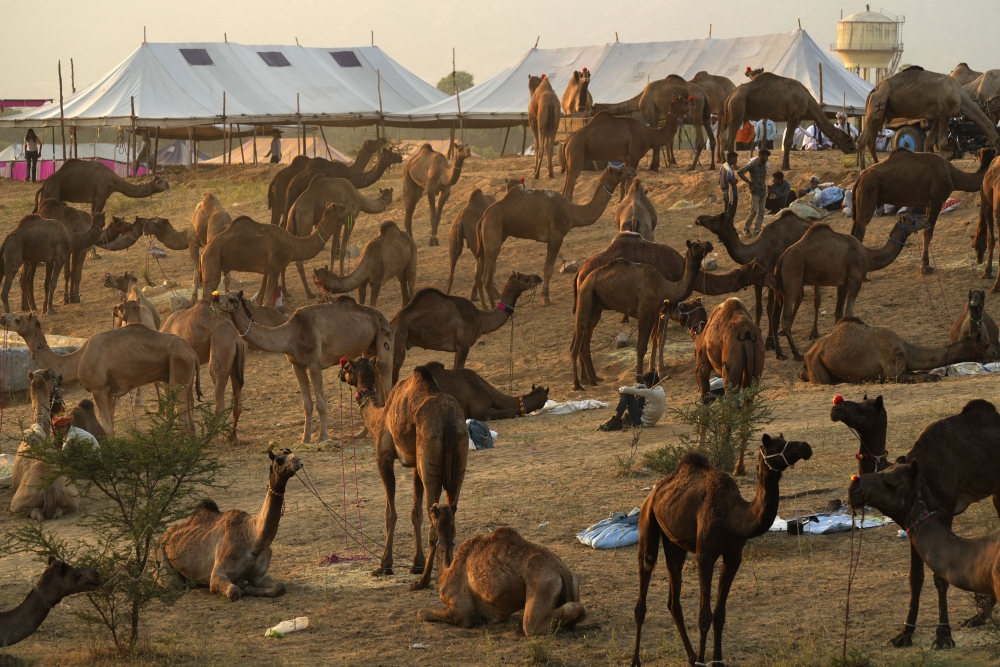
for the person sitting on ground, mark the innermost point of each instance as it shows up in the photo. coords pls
(645, 404)
(845, 126)
(809, 189)
(779, 193)
(815, 139)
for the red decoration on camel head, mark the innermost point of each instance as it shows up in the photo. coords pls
(543, 76)
(838, 399)
(343, 361)
(691, 98)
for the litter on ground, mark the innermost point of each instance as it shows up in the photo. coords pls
(618, 530)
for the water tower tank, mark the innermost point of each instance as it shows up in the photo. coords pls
(870, 42)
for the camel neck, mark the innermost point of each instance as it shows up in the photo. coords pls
(966, 563)
(872, 454)
(363, 157)
(366, 178)
(884, 256)
(136, 191)
(919, 358)
(269, 515)
(24, 619)
(740, 252)
(968, 182)
(66, 365)
(583, 215)
(306, 248)
(680, 290)
(372, 413)
(269, 339)
(760, 512)
(491, 320)
(173, 238)
(43, 416)
(715, 284)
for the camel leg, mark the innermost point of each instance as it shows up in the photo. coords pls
(388, 476)
(905, 638)
(102, 399)
(588, 357)
(759, 297)
(649, 544)
(702, 369)
(316, 375)
(411, 194)
(376, 288)
(814, 334)
(461, 354)
(300, 267)
(539, 609)
(706, 568)
(417, 518)
(551, 253)
(307, 405)
(221, 584)
(925, 266)
(436, 214)
(265, 587)
(432, 491)
(788, 138)
(775, 303)
(574, 356)
(729, 568)
(675, 557)
(461, 612)
(642, 343)
(787, 320)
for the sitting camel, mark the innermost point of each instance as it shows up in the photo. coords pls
(58, 581)
(317, 337)
(635, 213)
(867, 420)
(473, 588)
(92, 182)
(112, 363)
(976, 323)
(543, 119)
(128, 285)
(436, 321)
(425, 429)
(915, 180)
(463, 229)
(731, 345)
(428, 171)
(230, 552)
(989, 213)
(80, 222)
(481, 400)
(958, 461)
(825, 257)
(539, 215)
(699, 509)
(856, 352)
(391, 254)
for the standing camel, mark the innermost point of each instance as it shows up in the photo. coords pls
(316, 337)
(427, 171)
(543, 119)
(35, 240)
(717, 89)
(868, 420)
(425, 429)
(92, 182)
(576, 99)
(58, 581)
(635, 213)
(540, 215)
(463, 229)
(964, 74)
(76, 221)
(391, 254)
(989, 214)
(699, 509)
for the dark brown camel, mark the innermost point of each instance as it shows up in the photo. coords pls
(73, 220)
(92, 182)
(543, 119)
(58, 581)
(989, 214)
(867, 419)
(975, 323)
(481, 400)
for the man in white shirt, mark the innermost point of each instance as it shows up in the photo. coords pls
(645, 404)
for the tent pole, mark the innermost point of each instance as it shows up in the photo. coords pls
(131, 139)
(156, 149)
(191, 148)
(255, 144)
(524, 137)
(507, 134)
(243, 156)
(458, 99)
(62, 119)
(323, 134)
(225, 143)
(379, 130)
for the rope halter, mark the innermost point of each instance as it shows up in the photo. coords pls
(899, 223)
(364, 395)
(764, 457)
(505, 307)
(520, 405)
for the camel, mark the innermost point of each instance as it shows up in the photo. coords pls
(425, 429)
(120, 234)
(247, 245)
(699, 509)
(309, 208)
(481, 400)
(316, 337)
(975, 323)
(823, 257)
(533, 578)
(427, 172)
(731, 345)
(690, 314)
(32, 241)
(717, 89)
(778, 98)
(58, 581)
(92, 182)
(186, 239)
(36, 491)
(635, 213)
(577, 98)
(543, 119)
(277, 189)
(964, 74)
(867, 419)
(128, 285)
(608, 138)
(917, 93)
(230, 552)
(958, 459)
(989, 213)
(73, 220)
(637, 290)
(208, 221)
(984, 89)
(914, 180)
(539, 215)
(436, 321)
(217, 343)
(112, 363)
(857, 352)
(391, 254)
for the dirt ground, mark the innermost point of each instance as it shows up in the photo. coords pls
(549, 476)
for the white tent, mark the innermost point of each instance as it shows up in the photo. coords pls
(620, 71)
(184, 84)
(244, 153)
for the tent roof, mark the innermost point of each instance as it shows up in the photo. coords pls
(620, 71)
(182, 84)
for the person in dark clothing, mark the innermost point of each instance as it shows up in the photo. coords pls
(779, 194)
(728, 183)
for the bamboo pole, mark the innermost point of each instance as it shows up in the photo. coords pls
(62, 120)
(323, 134)
(458, 99)
(156, 150)
(131, 139)
(243, 156)
(507, 134)
(72, 77)
(379, 129)
(225, 143)
(255, 144)
(819, 133)
(191, 148)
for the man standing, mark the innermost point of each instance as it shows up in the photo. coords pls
(727, 183)
(758, 190)
(275, 151)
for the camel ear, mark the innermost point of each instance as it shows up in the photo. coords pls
(900, 459)
(52, 559)
(766, 439)
(878, 401)
(270, 453)
(688, 243)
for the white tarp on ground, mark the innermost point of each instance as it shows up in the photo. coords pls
(270, 84)
(620, 71)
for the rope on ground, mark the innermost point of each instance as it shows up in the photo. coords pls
(852, 569)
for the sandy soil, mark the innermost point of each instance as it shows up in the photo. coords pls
(549, 476)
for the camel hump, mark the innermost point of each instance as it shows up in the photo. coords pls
(208, 505)
(695, 460)
(387, 227)
(914, 68)
(423, 373)
(979, 404)
(818, 227)
(850, 319)
(434, 365)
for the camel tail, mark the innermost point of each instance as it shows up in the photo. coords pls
(50, 502)
(451, 443)
(979, 241)
(197, 381)
(38, 199)
(455, 242)
(270, 196)
(239, 363)
(747, 340)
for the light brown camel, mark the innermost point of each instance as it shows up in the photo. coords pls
(58, 581)
(436, 321)
(577, 98)
(425, 429)
(636, 213)
(73, 220)
(186, 239)
(823, 257)
(208, 221)
(539, 215)
(717, 89)
(427, 171)
(112, 363)
(958, 464)
(964, 74)
(975, 323)
(316, 337)
(35, 490)
(247, 245)
(915, 180)
(857, 352)
(128, 286)
(699, 509)
(473, 589)
(311, 204)
(391, 254)
(543, 119)
(778, 98)
(217, 343)
(92, 182)
(32, 241)
(636, 290)
(481, 400)
(917, 93)
(230, 552)
(689, 314)
(989, 214)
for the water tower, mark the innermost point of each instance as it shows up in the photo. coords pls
(870, 43)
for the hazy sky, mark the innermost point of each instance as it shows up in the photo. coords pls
(487, 36)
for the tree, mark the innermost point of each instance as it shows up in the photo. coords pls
(462, 78)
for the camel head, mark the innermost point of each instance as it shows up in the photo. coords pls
(753, 73)
(23, 324)
(385, 194)
(98, 220)
(521, 282)
(153, 226)
(335, 215)
(462, 152)
(122, 283)
(985, 157)
(373, 145)
(232, 302)
(389, 157)
(612, 177)
(61, 579)
(127, 312)
(513, 184)
(284, 465)
(892, 491)
(754, 273)
(779, 454)
(691, 314)
(159, 184)
(867, 418)
(714, 223)
(45, 382)
(538, 391)
(358, 373)
(442, 517)
(682, 107)
(699, 249)
(322, 275)
(977, 300)
(534, 81)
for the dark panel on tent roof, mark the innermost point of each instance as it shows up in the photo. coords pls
(346, 58)
(274, 58)
(197, 56)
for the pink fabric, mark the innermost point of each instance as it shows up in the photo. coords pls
(47, 167)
